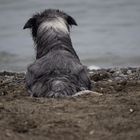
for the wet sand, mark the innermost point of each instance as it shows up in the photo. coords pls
(115, 115)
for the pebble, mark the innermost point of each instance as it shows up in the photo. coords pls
(91, 132)
(129, 72)
(8, 134)
(110, 80)
(131, 110)
(101, 89)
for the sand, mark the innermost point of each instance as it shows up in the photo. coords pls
(114, 115)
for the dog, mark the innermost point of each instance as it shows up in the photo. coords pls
(57, 70)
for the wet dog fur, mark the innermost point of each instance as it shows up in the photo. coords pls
(57, 70)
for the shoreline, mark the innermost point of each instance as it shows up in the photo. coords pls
(112, 116)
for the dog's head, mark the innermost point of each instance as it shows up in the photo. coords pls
(50, 18)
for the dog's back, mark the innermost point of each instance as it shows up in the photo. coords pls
(57, 71)
(57, 74)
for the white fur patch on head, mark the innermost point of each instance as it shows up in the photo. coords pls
(58, 24)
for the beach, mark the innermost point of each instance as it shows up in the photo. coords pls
(114, 115)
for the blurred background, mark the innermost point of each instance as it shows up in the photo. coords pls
(108, 34)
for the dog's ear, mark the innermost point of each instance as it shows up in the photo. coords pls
(30, 23)
(71, 21)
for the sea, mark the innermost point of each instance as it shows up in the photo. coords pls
(107, 35)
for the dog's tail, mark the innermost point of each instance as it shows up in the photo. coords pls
(62, 89)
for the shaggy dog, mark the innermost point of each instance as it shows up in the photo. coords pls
(57, 70)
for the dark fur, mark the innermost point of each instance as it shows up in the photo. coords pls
(57, 71)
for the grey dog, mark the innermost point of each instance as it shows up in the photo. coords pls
(57, 70)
